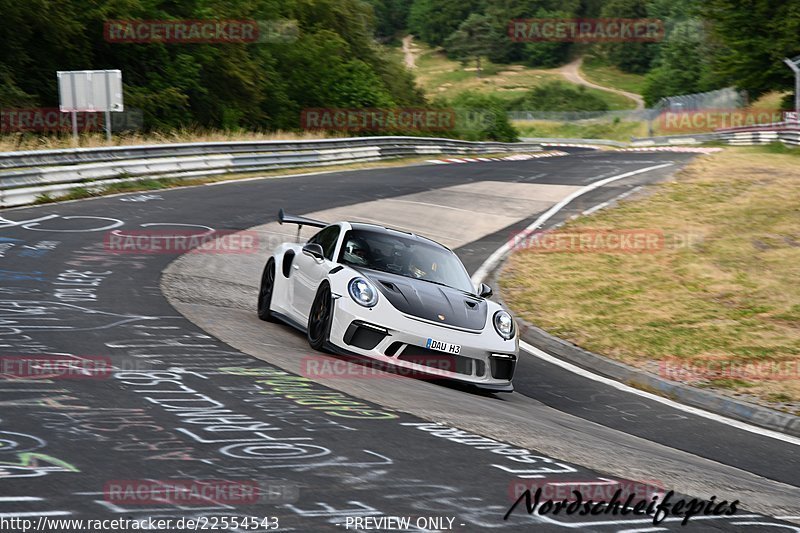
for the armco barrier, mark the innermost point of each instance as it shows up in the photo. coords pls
(24, 176)
(787, 133)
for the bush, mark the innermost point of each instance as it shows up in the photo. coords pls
(559, 96)
(480, 117)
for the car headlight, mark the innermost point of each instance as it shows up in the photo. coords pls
(362, 292)
(504, 324)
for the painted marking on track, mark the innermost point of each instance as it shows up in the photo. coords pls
(671, 519)
(493, 260)
(498, 255)
(38, 513)
(622, 196)
(536, 352)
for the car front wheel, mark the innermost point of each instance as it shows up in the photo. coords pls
(319, 319)
(265, 292)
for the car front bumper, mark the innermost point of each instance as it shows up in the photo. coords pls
(382, 333)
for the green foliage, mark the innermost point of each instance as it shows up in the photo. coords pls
(333, 62)
(391, 16)
(471, 40)
(756, 35)
(481, 116)
(559, 96)
(635, 57)
(535, 54)
(682, 66)
(434, 20)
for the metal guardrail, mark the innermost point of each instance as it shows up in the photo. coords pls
(115, 153)
(689, 138)
(25, 176)
(749, 135)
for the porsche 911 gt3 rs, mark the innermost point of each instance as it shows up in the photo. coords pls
(392, 296)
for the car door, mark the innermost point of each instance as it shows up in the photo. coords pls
(309, 271)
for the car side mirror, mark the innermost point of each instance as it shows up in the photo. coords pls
(485, 291)
(314, 250)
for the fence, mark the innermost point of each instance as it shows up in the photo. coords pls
(726, 99)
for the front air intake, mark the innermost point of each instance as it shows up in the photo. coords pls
(502, 365)
(363, 335)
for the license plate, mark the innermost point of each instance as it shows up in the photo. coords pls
(443, 346)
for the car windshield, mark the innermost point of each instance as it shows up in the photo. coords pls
(412, 258)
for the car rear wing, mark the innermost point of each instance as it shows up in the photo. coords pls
(284, 218)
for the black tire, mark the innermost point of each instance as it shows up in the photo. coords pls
(265, 292)
(320, 318)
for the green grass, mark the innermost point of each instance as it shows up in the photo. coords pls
(599, 72)
(439, 76)
(616, 102)
(722, 287)
(780, 148)
(617, 131)
(725, 383)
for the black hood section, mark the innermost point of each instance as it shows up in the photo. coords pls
(430, 301)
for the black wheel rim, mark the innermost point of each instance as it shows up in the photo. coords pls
(319, 316)
(267, 282)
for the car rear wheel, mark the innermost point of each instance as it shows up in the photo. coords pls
(265, 292)
(319, 319)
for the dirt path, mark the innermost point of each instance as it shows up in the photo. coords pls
(572, 72)
(408, 55)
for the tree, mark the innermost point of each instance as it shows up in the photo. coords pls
(433, 20)
(334, 60)
(391, 16)
(683, 64)
(473, 39)
(635, 57)
(756, 35)
(481, 116)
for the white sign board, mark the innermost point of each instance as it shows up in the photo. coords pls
(90, 90)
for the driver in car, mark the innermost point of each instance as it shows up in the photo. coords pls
(356, 252)
(418, 267)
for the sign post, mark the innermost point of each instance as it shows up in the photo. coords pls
(90, 91)
(794, 64)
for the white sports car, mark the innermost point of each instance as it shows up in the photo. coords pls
(392, 296)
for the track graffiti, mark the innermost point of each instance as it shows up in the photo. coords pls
(79, 286)
(35, 224)
(18, 316)
(306, 392)
(19, 458)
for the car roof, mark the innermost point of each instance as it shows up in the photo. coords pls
(393, 232)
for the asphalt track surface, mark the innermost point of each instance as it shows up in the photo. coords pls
(183, 405)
